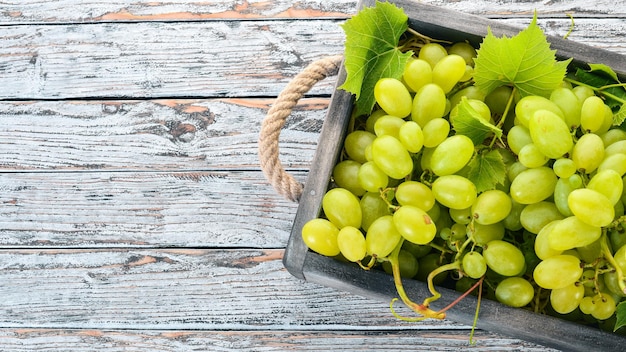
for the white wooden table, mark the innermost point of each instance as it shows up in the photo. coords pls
(133, 212)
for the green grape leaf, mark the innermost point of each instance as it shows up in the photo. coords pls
(524, 61)
(620, 116)
(620, 312)
(469, 122)
(371, 51)
(486, 170)
(605, 69)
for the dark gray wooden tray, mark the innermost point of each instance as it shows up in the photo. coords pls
(304, 264)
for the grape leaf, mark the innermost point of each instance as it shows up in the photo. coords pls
(621, 315)
(371, 51)
(468, 121)
(524, 61)
(486, 170)
(605, 69)
(620, 116)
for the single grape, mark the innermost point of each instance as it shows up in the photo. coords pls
(342, 208)
(557, 271)
(571, 232)
(615, 162)
(448, 71)
(382, 237)
(320, 235)
(411, 136)
(564, 186)
(417, 250)
(518, 137)
(618, 147)
(515, 292)
(474, 265)
(388, 125)
(351, 243)
(498, 99)
(569, 104)
(393, 97)
(611, 283)
(531, 157)
(565, 299)
(613, 136)
(371, 178)
(588, 153)
(609, 183)
(415, 193)
(452, 155)
(429, 103)
(454, 191)
(355, 144)
(542, 246)
(491, 206)
(345, 176)
(587, 305)
(465, 50)
(371, 120)
(417, 73)
(414, 224)
(512, 221)
(533, 185)
(391, 157)
(435, 131)
(461, 216)
(528, 105)
(583, 92)
(432, 53)
(372, 207)
(471, 93)
(550, 133)
(591, 108)
(504, 258)
(458, 232)
(535, 216)
(591, 207)
(564, 167)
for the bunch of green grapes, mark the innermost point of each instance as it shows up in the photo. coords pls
(551, 237)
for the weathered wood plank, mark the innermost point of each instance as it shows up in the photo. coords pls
(178, 289)
(201, 59)
(34, 11)
(147, 209)
(150, 134)
(33, 340)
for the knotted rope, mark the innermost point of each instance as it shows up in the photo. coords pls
(283, 182)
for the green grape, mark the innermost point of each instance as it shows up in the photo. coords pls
(557, 271)
(564, 167)
(615, 162)
(407, 262)
(514, 170)
(498, 99)
(432, 53)
(393, 97)
(345, 176)
(528, 105)
(434, 212)
(371, 178)
(590, 252)
(531, 157)
(569, 104)
(320, 235)
(550, 133)
(417, 250)
(611, 283)
(391, 157)
(604, 306)
(429, 103)
(342, 208)
(471, 93)
(454, 191)
(583, 92)
(515, 292)
(435, 131)
(461, 216)
(491, 206)
(411, 136)
(588, 153)
(427, 264)
(591, 207)
(609, 183)
(355, 144)
(533, 185)
(388, 125)
(458, 232)
(564, 186)
(417, 73)
(414, 224)
(474, 265)
(566, 299)
(592, 114)
(620, 257)
(445, 233)
(618, 147)
(571, 232)
(448, 71)
(624, 188)
(464, 50)
(504, 258)
(452, 155)
(415, 193)
(518, 137)
(351, 243)
(512, 221)
(372, 207)
(607, 123)
(426, 157)
(382, 237)
(371, 120)
(535, 216)
(587, 305)
(613, 136)
(542, 246)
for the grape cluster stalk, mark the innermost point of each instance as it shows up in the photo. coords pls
(549, 237)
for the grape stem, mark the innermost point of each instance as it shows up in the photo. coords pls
(421, 309)
(609, 257)
(456, 265)
(599, 89)
(509, 103)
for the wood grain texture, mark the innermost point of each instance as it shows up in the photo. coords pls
(147, 209)
(194, 59)
(217, 134)
(32, 340)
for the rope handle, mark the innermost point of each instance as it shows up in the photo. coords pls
(284, 183)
